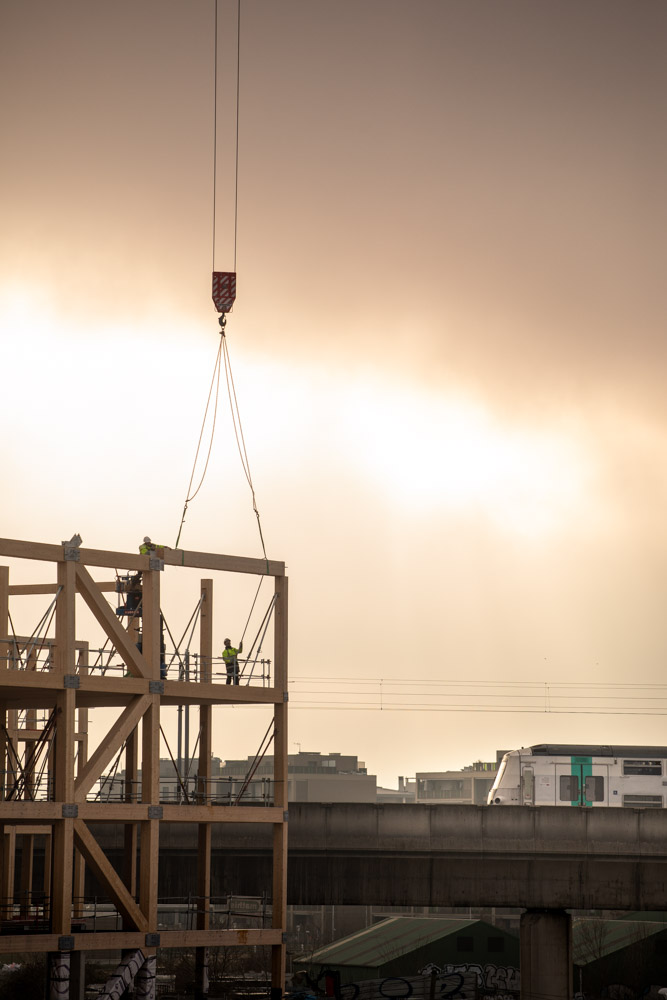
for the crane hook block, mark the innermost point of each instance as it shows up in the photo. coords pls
(224, 290)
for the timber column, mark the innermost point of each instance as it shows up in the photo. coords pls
(7, 842)
(150, 750)
(63, 828)
(279, 909)
(546, 955)
(204, 788)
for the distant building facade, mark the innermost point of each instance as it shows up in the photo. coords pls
(312, 777)
(469, 786)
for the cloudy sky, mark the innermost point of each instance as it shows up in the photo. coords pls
(448, 343)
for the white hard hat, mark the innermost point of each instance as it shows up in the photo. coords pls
(147, 540)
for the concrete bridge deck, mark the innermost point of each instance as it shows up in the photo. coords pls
(433, 855)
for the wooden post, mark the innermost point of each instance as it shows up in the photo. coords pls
(29, 742)
(150, 750)
(81, 758)
(27, 867)
(279, 911)
(3, 751)
(63, 828)
(131, 830)
(4, 665)
(4, 617)
(204, 789)
(48, 855)
(8, 868)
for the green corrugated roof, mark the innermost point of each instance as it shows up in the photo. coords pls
(593, 939)
(387, 940)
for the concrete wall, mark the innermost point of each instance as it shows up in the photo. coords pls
(419, 855)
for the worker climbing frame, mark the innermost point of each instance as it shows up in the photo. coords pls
(50, 688)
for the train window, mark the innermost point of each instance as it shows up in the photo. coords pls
(569, 788)
(645, 801)
(642, 767)
(465, 943)
(496, 944)
(594, 788)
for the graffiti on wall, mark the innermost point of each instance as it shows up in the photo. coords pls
(494, 978)
(444, 986)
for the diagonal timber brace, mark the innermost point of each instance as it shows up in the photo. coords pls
(92, 595)
(107, 876)
(107, 750)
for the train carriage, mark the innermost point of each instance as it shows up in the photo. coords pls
(571, 775)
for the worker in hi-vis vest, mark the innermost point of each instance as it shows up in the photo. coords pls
(230, 656)
(147, 547)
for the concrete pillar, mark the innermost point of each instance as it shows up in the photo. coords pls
(546, 955)
(58, 974)
(122, 979)
(201, 973)
(77, 975)
(144, 984)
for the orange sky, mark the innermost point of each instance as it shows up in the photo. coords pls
(448, 341)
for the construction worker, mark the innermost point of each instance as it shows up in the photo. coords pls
(230, 656)
(147, 546)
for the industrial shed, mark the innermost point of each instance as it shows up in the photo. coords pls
(630, 952)
(402, 946)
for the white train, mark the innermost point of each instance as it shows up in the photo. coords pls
(567, 775)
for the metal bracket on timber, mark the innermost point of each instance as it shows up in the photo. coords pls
(53, 792)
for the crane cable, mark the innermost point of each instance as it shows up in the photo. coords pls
(240, 440)
(190, 496)
(223, 349)
(215, 128)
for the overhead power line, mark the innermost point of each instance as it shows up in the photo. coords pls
(355, 694)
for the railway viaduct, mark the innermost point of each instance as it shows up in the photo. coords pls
(546, 861)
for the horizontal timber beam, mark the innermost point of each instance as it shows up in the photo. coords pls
(25, 589)
(24, 814)
(120, 940)
(14, 548)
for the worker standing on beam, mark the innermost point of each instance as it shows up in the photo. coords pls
(230, 656)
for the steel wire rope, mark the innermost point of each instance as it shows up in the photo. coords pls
(264, 624)
(37, 751)
(36, 635)
(15, 645)
(178, 775)
(252, 607)
(32, 641)
(259, 756)
(192, 757)
(240, 440)
(109, 778)
(193, 621)
(42, 769)
(189, 497)
(17, 759)
(215, 126)
(238, 92)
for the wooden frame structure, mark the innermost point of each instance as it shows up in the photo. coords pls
(68, 690)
